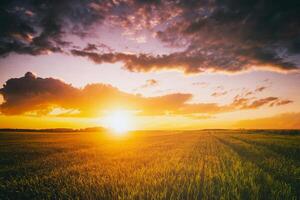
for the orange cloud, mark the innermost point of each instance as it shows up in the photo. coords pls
(261, 102)
(41, 96)
(253, 103)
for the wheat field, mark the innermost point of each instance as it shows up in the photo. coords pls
(208, 164)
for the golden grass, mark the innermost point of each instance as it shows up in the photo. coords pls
(150, 165)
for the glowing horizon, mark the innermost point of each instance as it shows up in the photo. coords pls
(175, 65)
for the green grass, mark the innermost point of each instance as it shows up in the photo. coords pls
(150, 165)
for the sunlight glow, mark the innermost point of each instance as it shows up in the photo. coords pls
(119, 121)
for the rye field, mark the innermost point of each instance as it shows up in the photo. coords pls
(207, 164)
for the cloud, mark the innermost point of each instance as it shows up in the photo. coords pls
(40, 27)
(97, 47)
(150, 83)
(238, 36)
(282, 102)
(190, 61)
(260, 89)
(216, 36)
(42, 96)
(246, 93)
(144, 62)
(219, 94)
(282, 121)
(261, 102)
(253, 103)
(33, 93)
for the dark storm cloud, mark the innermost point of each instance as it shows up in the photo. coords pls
(237, 35)
(218, 35)
(97, 47)
(241, 33)
(193, 61)
(41, 95)
(146, 62)
(188, 62)
(38, 26)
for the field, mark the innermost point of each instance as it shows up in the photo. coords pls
(211, 164)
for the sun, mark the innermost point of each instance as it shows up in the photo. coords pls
(119, 121)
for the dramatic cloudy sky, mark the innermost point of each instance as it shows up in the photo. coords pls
(181, 64)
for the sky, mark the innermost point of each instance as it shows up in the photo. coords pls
(185, 64)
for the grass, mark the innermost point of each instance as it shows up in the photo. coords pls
(150, 165)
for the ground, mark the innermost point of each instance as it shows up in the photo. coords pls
(207, 164)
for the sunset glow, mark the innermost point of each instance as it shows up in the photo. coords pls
(150, 99)
(119, 122)
(179, 64)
